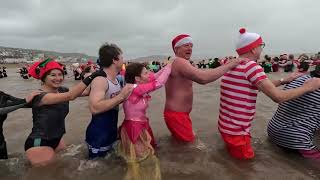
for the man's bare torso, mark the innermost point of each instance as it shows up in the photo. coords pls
(179, 93)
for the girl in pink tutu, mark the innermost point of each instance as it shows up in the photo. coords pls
(137, 141)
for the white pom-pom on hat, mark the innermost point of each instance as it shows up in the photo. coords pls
(247, 41)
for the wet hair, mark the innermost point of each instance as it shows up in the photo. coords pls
(291, 56)
(133, 70)
(276, 59)
(304, 66)
(268, 58)
(107, 53)
(43, 78)
(87, 69)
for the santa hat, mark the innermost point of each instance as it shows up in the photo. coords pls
(181, 40)
(89, 62)
(38, 69)
(247, 41)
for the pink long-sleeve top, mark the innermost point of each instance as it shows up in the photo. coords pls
(137, 103)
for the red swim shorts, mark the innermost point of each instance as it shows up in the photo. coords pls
(238, 146)
(179, 124)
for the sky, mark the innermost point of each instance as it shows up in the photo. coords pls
(146, 27)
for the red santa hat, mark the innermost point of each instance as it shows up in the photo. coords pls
(247, 41)
(181, 40)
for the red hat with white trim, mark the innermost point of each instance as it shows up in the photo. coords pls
(247, 41)
(181, 40)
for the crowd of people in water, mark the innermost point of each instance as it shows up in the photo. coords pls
(281, 63)
(113, 82)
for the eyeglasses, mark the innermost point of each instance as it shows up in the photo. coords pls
(262, 45)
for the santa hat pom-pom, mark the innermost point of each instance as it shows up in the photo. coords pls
(242, 30)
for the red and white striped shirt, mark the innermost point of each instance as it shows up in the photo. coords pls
(238, 98)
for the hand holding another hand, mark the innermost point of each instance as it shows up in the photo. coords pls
(32, 95)
(126, 91)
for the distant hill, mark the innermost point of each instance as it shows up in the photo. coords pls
(9, 52)
(150, 58)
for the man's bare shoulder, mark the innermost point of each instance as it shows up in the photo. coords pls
(180, 64)
(98, 80)
(99, 83)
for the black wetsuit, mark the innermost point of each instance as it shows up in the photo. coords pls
(8, 104)
(65, 72)
(24, 73)
(76, 75)
(48, 122)
(4, 72)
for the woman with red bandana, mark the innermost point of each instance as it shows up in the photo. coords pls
(49, 110)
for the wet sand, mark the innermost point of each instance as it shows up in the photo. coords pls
(205, 159)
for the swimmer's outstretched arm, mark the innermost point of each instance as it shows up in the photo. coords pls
(10, 103)
(156, 83)
(8, 100)
(73, 93)
(184, 68)
(6, 110)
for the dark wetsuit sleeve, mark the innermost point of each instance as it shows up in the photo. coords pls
(6, 110)
(9, 103)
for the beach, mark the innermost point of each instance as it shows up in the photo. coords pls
(205, 159)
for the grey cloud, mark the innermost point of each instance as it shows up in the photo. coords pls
(146, 27)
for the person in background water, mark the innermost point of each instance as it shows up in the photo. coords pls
(238, 95)
(49, 110)
(267, 65)
(65, 72)
(77, 71)
(4, 71)
(275, 64)
(215, 63)
(303, 64)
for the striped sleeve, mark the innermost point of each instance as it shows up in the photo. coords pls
(254, 73)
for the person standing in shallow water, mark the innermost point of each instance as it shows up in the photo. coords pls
(105, 96)
(137, 140)
(295, 122)
(8, 104)
(49, 110)
(239, 88)
(4, 71)
(179, 90)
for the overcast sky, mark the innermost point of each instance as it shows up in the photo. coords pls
(146, 27)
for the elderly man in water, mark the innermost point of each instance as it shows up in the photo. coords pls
(179, 87)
